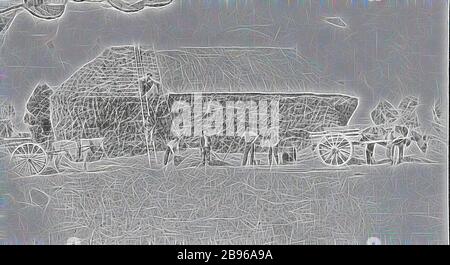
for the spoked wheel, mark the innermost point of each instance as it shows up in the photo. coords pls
(335, 150)
(28, 160)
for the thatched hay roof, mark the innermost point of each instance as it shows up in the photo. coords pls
(116, 72)
(234, 69)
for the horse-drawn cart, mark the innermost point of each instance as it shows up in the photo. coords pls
(335, 147)
(29, 159)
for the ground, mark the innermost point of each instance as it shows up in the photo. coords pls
(127, 202)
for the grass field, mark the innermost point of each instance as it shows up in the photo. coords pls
(124, 201)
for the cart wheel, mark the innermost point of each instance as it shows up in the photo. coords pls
(28, 160)
(335, 150)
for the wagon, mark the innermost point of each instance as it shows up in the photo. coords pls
(28, 158)
(335, 147)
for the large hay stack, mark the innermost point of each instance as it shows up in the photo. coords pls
(118, 95)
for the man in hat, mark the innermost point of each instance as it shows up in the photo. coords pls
(205, 149)
(173, 147)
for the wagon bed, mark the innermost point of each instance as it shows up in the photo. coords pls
(335, 146)
(28, 158)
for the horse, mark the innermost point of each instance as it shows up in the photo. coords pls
(398, 146)
(395, 139)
